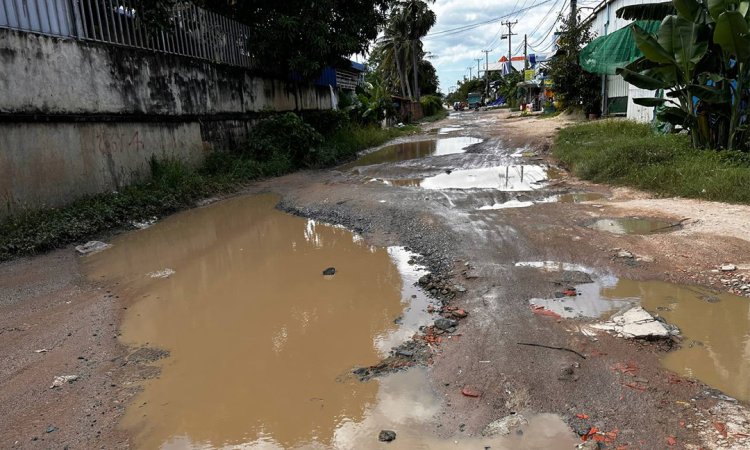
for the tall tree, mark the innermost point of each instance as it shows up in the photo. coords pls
(302, 37)
(420, 19)
(393, 47)
(575, 87)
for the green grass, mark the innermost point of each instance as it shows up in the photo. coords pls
(173, 186)
(440, 115)
(626, 153)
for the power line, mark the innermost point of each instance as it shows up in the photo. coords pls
(463, 28)
(547, 34)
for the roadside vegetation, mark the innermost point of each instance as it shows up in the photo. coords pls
(626, 153)
(281, 144)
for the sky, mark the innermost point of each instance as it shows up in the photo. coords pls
(452, 52)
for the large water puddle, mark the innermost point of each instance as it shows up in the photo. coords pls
(715, 327)
(578, 197)
(633, 225)
(414, 150)
(514, 178)
(261, 343)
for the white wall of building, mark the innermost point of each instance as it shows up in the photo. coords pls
(604, 21)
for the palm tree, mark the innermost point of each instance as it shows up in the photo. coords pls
(420, 18)
(394, 46)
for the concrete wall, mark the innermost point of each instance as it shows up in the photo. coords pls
(50, 164)
(41, 74)
(80, 118)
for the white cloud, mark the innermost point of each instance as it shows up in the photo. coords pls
(453, 53)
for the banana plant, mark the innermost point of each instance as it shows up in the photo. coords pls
(699, 57)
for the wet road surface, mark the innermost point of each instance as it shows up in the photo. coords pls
(261, 345)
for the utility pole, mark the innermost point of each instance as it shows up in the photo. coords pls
(478, 60)
(526, 52)
(510, 34)
(486, 73)
(573, 13)
(470, 69)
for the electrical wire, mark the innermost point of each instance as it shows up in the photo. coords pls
(457, 30)
(547, 34)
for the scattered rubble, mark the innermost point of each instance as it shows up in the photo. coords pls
(445, 324)
(61, 380)
(329, 272)
(142, 225)
(637, 323)
(387, 436)
(206, 201)
(92, 247)
(471, 391)
(165, 273)
(505, 425)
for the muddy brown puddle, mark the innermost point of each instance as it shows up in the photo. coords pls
(633, 225)
(262, 344)
(414, 150)
(715, 326)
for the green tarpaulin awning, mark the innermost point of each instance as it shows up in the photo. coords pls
(606, 53)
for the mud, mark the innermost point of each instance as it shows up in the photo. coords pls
(621, 389)
(715, 327)
(414, 150)
(632, 225)
(261, 343)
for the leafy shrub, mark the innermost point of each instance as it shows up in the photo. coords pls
(283, 136)
(326, 122)
(431, 104)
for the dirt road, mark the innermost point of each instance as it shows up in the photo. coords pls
(473, 217)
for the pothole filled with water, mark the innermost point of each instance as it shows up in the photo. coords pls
(578, 197)
(580, 293)
(448, 130)
(414, 150)
(714, 326)
(512, 178)
(634, 225)
(261, 342)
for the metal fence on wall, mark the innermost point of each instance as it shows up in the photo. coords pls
(190, 31)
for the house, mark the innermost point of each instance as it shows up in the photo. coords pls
(614, 47)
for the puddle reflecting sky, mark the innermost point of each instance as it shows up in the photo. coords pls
(261, 343)
(414, 150)
(716, 328)
(562, 198)
(517, 178)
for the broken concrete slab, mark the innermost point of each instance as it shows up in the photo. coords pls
(637, 323)
(504, 426)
